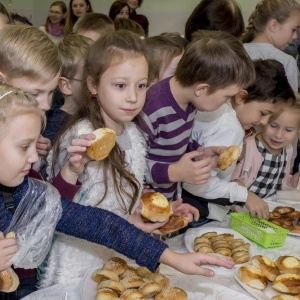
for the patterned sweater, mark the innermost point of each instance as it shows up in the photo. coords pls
(167, 130)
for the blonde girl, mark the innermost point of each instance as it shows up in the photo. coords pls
(272, 26)
(266, 167)
(21, 121)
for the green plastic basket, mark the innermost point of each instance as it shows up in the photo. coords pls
(257, 230)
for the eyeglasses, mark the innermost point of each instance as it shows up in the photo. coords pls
(55, 12)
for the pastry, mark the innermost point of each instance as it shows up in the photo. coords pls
(226, 158)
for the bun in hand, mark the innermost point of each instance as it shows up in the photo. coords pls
(226, 158)
(9, 280)
(174, 224)
(102, 145)
(155, 207)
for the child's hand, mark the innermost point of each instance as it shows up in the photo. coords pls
(43, 146)
(257, 207)
(295, 179)
(8, 248)
(185, 210)
(148, 227)
(213, 152)
(190, 170)
(76, 164)
(190, 263)
(147, 189)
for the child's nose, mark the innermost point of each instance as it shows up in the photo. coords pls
(264, 120)
(33, 157)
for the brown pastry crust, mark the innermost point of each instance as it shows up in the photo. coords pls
(9, 281)
(116, 264)
(267, 266)
(229, 155)
(288, 264)
(149, 289)
(102, 145)
(253, 277)
(101, 274)
(287, 283)
(171, 293)
(174, 224)
(106, 294)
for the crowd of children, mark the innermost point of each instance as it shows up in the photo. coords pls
(174, 104)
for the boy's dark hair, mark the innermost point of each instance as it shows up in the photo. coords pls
(16, 18)
(271, 83)
(222, 15)
(216, 58)
(129, 25)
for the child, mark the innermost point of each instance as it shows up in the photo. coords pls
(72, 51)
(20, 125)
(266, 166)
(94, 25)
(165, 51)
(272, 26)
(130, 25)
(119, 9)
(117, 74)
(249, 107)
(223, 15)
(211, 71)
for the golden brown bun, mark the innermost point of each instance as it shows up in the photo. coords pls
(283, 209)
(288, 264)
(132, 282)
(274, 215)
(132, 294)
(229, 155)
(106, 294)
(266, 265)
(130, 272)
(253, 277)
(174, 224)
(155, 207)
(210, 235)
(162, 280)
(9, 281)
(116, 264)
(149, 289)
(171, 293)
(113, 285)
(285, 297)
(287, 283)
(102, 145)
(101, 274)
(293, 215)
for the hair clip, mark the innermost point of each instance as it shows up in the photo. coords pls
(7, 93)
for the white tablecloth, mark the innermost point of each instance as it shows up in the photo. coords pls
(222, 286)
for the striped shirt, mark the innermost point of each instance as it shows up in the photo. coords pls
(167, 130)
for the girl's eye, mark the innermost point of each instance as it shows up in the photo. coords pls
(142, 86)
(25, 147)
(273, 125)
(263, 114)
(120, 85)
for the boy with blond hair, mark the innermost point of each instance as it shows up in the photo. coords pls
(213, 68)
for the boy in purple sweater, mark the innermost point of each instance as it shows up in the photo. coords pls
(213, 68)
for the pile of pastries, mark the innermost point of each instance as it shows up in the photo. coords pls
(225, 244)
(286, 217)
(117, 280)
(284, 275)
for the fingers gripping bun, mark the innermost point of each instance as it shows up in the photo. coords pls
(229, 155)
(155, 207)
(9, 281)
(102, 145)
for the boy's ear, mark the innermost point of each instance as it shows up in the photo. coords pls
(65, 86)
(239, 97)
(2, 77)
(91, 85)
(201, 88)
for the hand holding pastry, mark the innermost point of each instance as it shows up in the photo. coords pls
(185, 210)
(8, 248)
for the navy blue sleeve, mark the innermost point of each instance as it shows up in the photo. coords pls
(106, 228)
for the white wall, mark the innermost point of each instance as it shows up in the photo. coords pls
(163, 15)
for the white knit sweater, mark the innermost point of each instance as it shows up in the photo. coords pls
(69, 257)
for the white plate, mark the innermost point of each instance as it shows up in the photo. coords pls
(266, 294)
(191, 234)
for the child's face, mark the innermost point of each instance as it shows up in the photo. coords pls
(210, 102)
(122, 91)
(171, 68)
(124, 13)
(18, 148)
(287, 31)
(41, 91)
(79, 7)
(280, 133)
(255, 113)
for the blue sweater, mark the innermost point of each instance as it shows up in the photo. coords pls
(98, 226)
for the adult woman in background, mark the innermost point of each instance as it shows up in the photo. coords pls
(141, 19)
(55, 22)
(119, 9)
(77, 8)
(222, 15)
